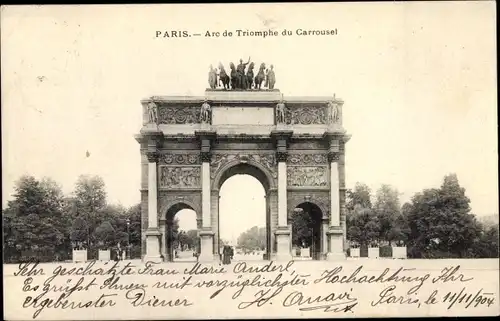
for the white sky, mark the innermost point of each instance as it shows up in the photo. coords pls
(418, 81)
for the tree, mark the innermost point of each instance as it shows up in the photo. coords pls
(134, 216)
(192, 239)
(388, 210)
(487, 245)
(80, 232)
(90, 196)
(252, 239)
(302, 229)
(105, 234)
(361, 195)
(440, 222)
(34, 218)
(363, 226)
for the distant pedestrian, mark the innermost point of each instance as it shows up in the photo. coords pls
(226, 255)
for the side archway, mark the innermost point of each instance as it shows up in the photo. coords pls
(167, 222)
(309, 226)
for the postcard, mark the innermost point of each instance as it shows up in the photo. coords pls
(201, 161)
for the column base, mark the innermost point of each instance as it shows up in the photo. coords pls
(336, 240)
(207, 251)
(283, 252)
(153, 246)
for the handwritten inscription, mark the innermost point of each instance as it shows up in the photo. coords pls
(245, 286)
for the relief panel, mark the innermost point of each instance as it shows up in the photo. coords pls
(306, 115)
(179, 115)
(179, 177)
(307, 176)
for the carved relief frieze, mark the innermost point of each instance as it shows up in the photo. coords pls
(179, 159)
(179, 115)
(178, 177)
(307, 176)
(169, 199)
(267, 160)
(307, 159)
(306, 115)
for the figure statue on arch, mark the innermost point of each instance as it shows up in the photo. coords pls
(240, 69)
(334, 112)
(270, 77)
(212, 78)
(152, 112)
(280, 112)
(205, 112)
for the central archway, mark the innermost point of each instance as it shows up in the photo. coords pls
(266, 181)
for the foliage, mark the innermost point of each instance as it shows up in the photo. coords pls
(34, 220)
(363, 226)
(302, 226)
(79, 232)
(252, 239)
(90, 197)
(361, 195)
(388, 209)
(105, 234)
(439, 221)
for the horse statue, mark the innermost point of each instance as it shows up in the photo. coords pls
(249, 76)
(234, 76)
(260, 76)
(212, 77)
(223, 77)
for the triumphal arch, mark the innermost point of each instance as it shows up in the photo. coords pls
(295, 146)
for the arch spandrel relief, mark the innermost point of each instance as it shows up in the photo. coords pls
(267, 160)
(319, 198)
(168, 199)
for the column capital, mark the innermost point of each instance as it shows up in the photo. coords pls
(205, 156)
(281, 156)
(152, 156)
(333, 156)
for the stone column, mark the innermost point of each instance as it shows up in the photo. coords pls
(206, 136)
(206, 233)
(335, 232)
(169, 239)
(284, 231)
(152, 233)
(163, 239)
(199, 226)
(325, 222)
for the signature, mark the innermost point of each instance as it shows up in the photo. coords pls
(336, 302)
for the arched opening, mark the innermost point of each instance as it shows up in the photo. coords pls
(307, 231)
(181, 241)
(244, 215)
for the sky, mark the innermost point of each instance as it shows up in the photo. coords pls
(418, 81)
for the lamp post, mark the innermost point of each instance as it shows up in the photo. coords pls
(128, 238)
